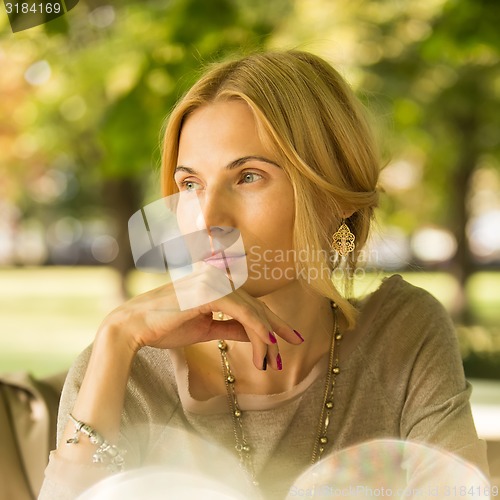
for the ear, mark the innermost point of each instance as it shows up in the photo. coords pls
(347, 213)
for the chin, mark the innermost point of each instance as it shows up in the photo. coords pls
(258, 289)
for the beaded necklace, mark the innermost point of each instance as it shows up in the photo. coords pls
(242, 446)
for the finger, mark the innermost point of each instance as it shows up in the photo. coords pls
(250, 314)
(227, 330)
(273, 357)
(279, 329)
(282, 328)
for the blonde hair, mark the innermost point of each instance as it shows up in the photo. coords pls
(312, 120)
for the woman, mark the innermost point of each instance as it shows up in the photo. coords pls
(274, 146)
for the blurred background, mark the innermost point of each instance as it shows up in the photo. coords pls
(83, 99)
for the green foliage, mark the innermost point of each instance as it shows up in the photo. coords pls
(444, 86)
(115, 82)
(430, 69)
(116, 70)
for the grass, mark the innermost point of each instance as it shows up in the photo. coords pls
(48, 315)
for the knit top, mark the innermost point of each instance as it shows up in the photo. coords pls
(403, 380)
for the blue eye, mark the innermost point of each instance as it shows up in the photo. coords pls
(190, 185)
(249, 177)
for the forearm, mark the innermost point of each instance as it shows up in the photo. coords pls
(101, 397)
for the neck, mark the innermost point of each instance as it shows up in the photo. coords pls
(308, 313)
(305, 311)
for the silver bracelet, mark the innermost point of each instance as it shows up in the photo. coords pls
(106, 453)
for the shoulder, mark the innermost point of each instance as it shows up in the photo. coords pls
(400, 319)
(401, 304)
(408, 344)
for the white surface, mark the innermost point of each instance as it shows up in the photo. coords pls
(485, 402)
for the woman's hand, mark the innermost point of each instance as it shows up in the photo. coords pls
(155, 319)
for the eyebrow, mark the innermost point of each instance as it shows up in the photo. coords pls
(231, 165)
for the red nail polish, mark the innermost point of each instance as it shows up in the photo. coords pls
(278, 362)
(298, 335)
(272, 338)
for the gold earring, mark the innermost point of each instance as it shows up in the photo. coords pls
(343, 240)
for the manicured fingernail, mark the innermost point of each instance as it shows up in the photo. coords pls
(264, 364)
(272, 338)
(278, 362)
(298, 335)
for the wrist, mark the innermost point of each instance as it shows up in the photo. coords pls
(113, 337)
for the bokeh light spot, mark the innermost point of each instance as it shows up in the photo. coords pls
(38, 73)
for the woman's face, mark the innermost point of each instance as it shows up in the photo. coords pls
(240, 186)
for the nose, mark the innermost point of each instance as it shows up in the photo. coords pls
(199, 212)
(217, 213)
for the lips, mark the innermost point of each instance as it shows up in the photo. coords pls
(222, 262)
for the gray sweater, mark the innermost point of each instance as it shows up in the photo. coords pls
(402, 380)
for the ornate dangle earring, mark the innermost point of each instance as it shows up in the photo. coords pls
(343, 240)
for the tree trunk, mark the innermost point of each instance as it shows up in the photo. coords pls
(463, 262)
(122, 197)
